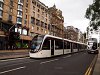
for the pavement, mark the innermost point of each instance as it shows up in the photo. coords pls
(97, 66)
(9, 54)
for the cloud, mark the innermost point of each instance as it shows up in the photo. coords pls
(73, 11)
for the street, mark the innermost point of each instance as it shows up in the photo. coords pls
(71, 64)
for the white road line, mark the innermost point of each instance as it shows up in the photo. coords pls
(21, 63)
(14, 59)
(48, 61)
(67, 56)
(12, 70)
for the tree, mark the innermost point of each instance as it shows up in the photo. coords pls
(93, 14)
(13, 38)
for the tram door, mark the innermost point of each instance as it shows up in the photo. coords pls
(71, 47)
(52, 47)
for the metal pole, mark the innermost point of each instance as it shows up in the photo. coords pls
(11, 27)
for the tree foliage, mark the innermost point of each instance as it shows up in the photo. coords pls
(93, 14)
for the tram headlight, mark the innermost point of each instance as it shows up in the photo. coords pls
(34, 51)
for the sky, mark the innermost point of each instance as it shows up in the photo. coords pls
(73, 11)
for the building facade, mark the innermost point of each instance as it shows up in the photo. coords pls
(28, 18)
(39, 18)
(72, 33)
(56, 26)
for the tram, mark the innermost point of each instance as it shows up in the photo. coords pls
(43, 46)
(92, 46)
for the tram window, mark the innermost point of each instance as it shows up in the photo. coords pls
(46, 45)
(58, 44)
(74, 46)
(65, 45)
(68, 45)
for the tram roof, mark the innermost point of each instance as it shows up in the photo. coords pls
(63, 39)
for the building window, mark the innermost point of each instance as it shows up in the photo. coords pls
(38, 15)
(25, 16)
(24, 32)
(11, 10)
(20, 7)
(46, 20)
(19, 19)
(20, 30)
(26, 10)
(25, 22)
(46, 15)
(32, 20)
(37, 22)
(10, 17)
(21, 1)
(26, 4)
(33, 7)
(42, 17)
(20, 13)
(42, 30)
(37, 28)
(1, 12)
(45, 25)
(33, 13)
(16, 29)
(38, 5)
(38, 10)
(11, 2)
(34, 2)
(1, 5)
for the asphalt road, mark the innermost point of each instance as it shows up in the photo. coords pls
(72, 64)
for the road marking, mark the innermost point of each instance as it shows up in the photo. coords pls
(12, 70)
(14, 59)
(67, 56)
(48, 61)
(88, 72)
(21, 63)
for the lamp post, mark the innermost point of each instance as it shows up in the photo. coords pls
(9, 34)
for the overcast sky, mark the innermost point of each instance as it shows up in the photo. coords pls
(73, 11)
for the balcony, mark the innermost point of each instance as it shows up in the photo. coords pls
(19, 22)
(19, 16)
(20, 3)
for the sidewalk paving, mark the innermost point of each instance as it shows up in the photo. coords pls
(97, 66)
(7, 54)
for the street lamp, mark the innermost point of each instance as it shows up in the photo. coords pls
(10, 31)
(11, 27)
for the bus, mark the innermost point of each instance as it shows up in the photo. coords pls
(92, 46)
(43, 46)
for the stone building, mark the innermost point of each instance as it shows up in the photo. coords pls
(56, 22)
(28, 17)
(72, 33)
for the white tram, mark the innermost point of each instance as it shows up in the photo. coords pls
(43, 46)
